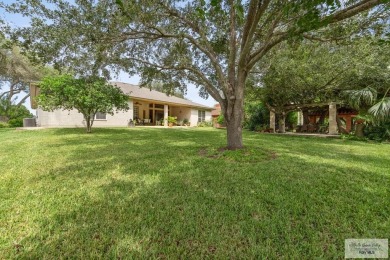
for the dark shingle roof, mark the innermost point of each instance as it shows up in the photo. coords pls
(136, 91)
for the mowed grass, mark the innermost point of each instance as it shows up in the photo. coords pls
(169, 193)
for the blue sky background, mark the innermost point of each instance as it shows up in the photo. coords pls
(17, 20)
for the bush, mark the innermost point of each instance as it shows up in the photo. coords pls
(205, 124)
(352, 136)
(292, 119)
(16, 114)
(220, 119)
(260, 128)
(172, 119)
(4, 125)
(16, 122)
(256, 116)
(380, 132)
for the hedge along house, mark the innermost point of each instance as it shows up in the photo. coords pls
(149, 107)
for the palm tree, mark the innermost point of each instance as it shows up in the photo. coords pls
(374, 110)
(368, 97)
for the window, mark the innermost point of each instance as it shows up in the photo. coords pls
(136, 113)
(201, 115)
(100, 116)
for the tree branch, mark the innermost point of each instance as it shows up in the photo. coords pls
(23, 100)
(332, 18)
(232, 45)
(206, 82)
(250, 27)
(204, 47)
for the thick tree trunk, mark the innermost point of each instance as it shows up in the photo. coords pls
(359, 132)
(234, 132)
(282, 122)
(234, 125)
(233, 110)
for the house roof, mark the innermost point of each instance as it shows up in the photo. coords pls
(136, 91)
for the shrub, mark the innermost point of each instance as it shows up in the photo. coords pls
(379, 132)
(352, 136)
(16, 122)
(3, 125)
(16, 114)
(292, 119)
(260, 128)
(220, 119)
(172, 119)
(205, 124)
(256, 115)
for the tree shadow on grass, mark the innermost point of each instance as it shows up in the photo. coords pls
(162, 200)
(323, 148)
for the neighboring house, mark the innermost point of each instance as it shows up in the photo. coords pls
(147, 105)
(215, 114)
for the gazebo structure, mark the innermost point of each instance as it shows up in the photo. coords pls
(335, 117)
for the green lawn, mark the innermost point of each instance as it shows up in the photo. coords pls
(165, 193)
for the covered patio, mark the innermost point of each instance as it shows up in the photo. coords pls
(151, 113)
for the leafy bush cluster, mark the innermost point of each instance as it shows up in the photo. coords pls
(292, 119)
(352, 136)
(256, 116)
(14, 113)
(16, 122)
(221, 119)
(3, 125)
(205, 124)
(378, 132)
(172, 119)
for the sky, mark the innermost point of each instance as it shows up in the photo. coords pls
(17, 20)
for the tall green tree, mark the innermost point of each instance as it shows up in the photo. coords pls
(311, 73)
(87, 95)
(14, 114)
(17, 72)
(159, 86)
(213, 44)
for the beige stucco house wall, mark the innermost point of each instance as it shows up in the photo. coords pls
(72, 118)
(143, 100)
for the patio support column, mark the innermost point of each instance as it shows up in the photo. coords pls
(272, 120)
(332, 118)
(165, 115)
(300, 118)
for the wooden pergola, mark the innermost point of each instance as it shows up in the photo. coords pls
(332, 114)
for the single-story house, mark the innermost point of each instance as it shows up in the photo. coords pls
(148, 106)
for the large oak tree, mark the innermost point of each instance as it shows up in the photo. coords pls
(213, 44)
(16, 71)
(296, 75)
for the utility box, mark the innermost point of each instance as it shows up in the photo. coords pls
(29, 122)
